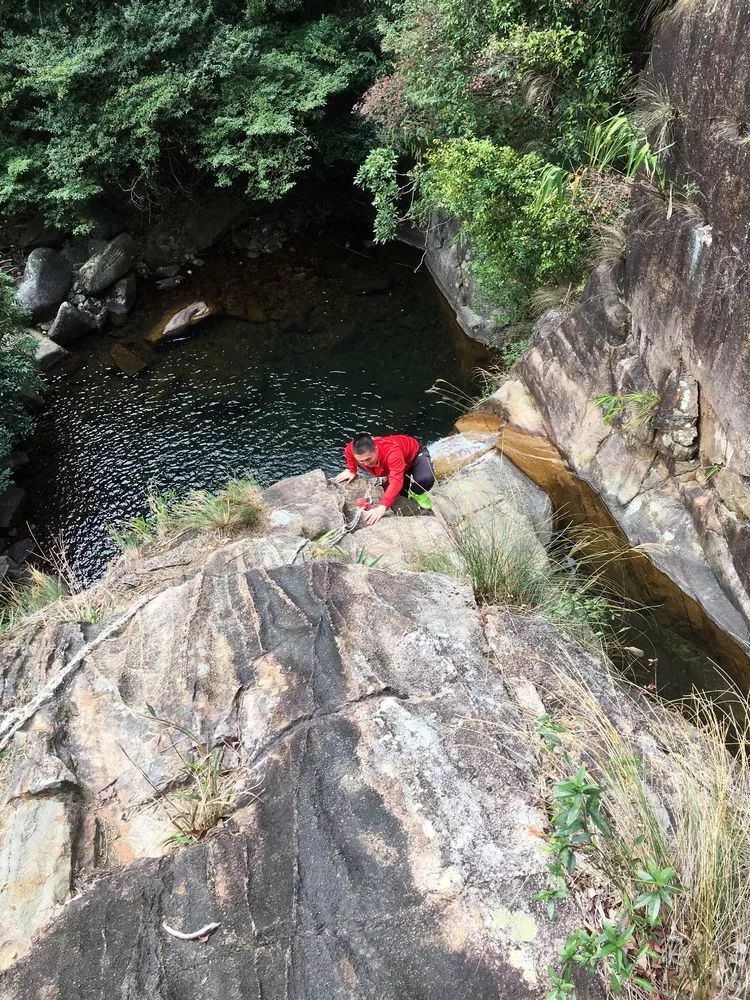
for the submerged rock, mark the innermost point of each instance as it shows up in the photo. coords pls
(131, 358)
(47, 352)
(45, 283)
(105, 267)
(180, 321)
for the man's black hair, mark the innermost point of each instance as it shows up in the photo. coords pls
(362, 444)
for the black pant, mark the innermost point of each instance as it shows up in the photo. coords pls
(420, 476)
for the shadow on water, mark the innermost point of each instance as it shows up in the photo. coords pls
(314, 344)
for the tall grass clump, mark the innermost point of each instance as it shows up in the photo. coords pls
(564, 585)
(669, 868)
(237, 507)
(204, 789)
(56, 595)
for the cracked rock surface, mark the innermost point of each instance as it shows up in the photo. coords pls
(383, 840)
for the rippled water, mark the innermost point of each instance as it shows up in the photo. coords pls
(340, 343)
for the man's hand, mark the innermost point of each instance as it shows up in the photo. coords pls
(345, 477)
(371, 517)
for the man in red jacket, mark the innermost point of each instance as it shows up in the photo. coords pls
(400, 458)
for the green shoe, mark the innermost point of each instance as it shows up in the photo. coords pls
(423, 499)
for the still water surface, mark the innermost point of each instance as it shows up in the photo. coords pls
(314, 346)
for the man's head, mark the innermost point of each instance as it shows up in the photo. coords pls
(364, 450)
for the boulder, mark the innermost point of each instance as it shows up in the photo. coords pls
(111, 263)
(79, 249)
(396, 543)
(121, 296)
(11, 502)
(180, 321)
(492, 491)
(70, 323)
(45, 283)
(206, 225)
(21, 551)
(450, 454)
(304, 504)
(47, 352)
(131, 358)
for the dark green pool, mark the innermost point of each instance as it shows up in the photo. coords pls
(337, 342)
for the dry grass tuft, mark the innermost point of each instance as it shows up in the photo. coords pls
(237, 507)
(559, 297)
(204, 791)
(687, 807)
(657, 114)
(50, 596)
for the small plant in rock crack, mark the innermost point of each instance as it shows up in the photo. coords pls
(640, 406)
(204, 790)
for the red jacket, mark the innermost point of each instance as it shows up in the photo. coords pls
(396, 453)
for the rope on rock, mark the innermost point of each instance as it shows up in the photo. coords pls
(15, 720)
(331, 539)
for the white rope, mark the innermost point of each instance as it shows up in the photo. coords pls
(13, 721)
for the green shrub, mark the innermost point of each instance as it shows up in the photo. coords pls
(483, 106)
(18, 372)
(146, 97)
(564, 586)
(515, 248)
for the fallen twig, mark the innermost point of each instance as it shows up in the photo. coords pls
(202, 934)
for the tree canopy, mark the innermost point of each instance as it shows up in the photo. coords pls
(139, 97)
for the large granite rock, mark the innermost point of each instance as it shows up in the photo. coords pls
(376, 847)
(70, 323)
(176, 324)
(107, 266)
(45, 283)
(448, 260)
(47, 352)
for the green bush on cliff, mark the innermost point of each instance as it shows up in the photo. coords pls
(148, 97)
(479, 99)
(18, 372)
(516, 248)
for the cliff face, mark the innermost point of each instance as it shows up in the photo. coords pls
(378, 826)
(672, 322)
(670, 326)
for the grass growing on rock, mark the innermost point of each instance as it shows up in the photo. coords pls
(203, 792)
(564, 585)
(42, 596)
(674, 879)
(567, 588)
(238, 507)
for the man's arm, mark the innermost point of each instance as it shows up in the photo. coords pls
(351, 466)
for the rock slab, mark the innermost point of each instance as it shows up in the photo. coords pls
(107, 266)
(45, 283)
